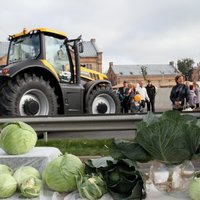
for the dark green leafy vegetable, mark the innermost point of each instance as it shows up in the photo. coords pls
(171, 138)
(124, 181)
(121, 149)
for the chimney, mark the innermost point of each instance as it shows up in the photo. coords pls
(110, 64)
(93, 40)
(172, 63)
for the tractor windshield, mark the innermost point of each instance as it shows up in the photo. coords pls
(24, 48)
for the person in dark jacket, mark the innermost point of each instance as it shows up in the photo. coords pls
(151, 91)
(123, 97)
(180, 94)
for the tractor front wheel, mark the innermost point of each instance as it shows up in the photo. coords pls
(27, 95)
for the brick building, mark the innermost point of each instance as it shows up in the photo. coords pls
(91, 57)
(161, 75)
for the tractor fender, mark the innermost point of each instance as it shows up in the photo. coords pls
(16, 68)
(91, 84)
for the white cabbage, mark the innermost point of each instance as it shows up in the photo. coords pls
(8, 185)
(194, 189)
(28, 180)
(17, 138)
(59, 175)
(4, 169)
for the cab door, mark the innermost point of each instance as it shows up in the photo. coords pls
(57, 54)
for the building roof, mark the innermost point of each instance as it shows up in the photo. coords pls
(3, 48)
(154, 69)
(89, 49)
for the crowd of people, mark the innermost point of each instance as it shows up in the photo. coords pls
(135, 98)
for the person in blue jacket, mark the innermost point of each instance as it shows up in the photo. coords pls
(123, 97)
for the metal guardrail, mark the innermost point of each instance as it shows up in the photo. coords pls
(79, 123)
(84, 123)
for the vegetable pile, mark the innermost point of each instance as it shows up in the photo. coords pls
(119, 177)
(66, 173)
(26, 179)
(171, 138)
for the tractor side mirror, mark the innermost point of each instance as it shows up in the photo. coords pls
(80, 47)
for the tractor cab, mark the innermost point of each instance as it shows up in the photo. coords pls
(46, 45)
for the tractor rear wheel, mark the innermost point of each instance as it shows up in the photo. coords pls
(27, 95)
(102, 100)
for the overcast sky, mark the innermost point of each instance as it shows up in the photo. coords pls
(126, 31)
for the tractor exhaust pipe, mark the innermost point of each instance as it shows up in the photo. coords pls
(77, 62)
(78, 48)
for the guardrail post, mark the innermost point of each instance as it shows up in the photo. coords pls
(45, 135)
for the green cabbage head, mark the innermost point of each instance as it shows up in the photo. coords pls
(24, 172)
(91, 187)
(29, 181)
(4, 169)
(8, 185)
(59, 175)
(30, 187)
(194, 189)
(17, 138)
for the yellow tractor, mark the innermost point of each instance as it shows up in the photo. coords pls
(41, 79)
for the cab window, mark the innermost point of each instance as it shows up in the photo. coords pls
(24, 48)
(57, 56)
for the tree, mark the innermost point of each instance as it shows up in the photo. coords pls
(144, 72)
(186, 66)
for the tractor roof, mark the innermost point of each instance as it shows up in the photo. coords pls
(26, 32)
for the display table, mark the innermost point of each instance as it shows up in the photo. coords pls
(38, 157)
(152, 194)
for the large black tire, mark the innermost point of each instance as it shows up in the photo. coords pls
(102, 100)
(27, 95)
